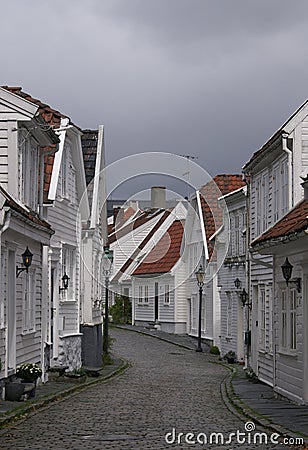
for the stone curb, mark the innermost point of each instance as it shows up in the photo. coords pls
(244, 412)
(31, 408)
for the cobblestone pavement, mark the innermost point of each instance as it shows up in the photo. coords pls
(167, 388)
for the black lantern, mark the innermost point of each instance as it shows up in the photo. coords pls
(200, 275)
(237, 283)
(287, 270)
(108, 253)
(65, 279)
(26, 260)
(244, 298)
(287, 273)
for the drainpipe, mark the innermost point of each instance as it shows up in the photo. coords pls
(290, 168)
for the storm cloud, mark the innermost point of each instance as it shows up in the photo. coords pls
(212, 79)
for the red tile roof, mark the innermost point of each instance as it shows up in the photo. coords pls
(89, 141)
(292, 223)
(165, 254)
(212, 213)
(136, 253)
(53, 118)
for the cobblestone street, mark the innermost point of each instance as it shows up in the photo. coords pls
(166, 388)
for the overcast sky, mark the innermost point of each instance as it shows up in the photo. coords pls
(206, 78)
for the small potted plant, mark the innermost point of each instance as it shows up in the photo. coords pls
(230, 357)
(29, 372)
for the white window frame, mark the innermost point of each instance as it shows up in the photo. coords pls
(68, 263)
(65, 173)
(29, 163)
(167, 295)
(2, 287)
(236, 235)
(29, 297)
(262, 317)
(229, 315)
(146, 294)
(140, 295)
(276, 192)
(284, 188)
(288, 321)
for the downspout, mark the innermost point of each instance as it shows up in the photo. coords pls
(247, 270)
(290, 168)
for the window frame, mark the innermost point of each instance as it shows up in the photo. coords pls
(29, 286)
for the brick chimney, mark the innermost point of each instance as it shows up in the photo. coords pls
(158, 197)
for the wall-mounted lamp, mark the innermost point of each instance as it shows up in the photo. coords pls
(65, 279)
(237, 283)
(26, 260)
(287, 273)
(245, 298)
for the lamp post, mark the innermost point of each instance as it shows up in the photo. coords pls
(200, 280)
(108, 255)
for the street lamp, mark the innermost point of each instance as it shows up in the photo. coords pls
(200, 280)
(26, 260)
(287, 269)
(108, 255)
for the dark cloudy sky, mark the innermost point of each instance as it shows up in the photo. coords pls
(208, 78)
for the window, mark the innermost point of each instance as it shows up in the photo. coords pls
(293, 319)
(64, 174)
(288, 320)
(167, 294)
(29, 301)
(140, 297)
(68, 267)
(243, 232)
(262, 316)
(146, 294)
(258, 206)
(229, 314)
(28, 170)
(236, 235)
(276, 193)
(2, 288)
(264, 202)
(284, 188)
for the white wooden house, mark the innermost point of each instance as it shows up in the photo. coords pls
(288, 238)
(231, 248)
(66, 208)
(158, 284)
(273, 175)
(133, 239)
(93, 240)
(24, 142)
(204, 221)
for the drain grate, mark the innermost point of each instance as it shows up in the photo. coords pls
(176, 354)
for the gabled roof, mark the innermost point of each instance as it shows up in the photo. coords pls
(294, 222)
(275, 137)
(212, 213)
(53, 118)
(141, 246)
(165, 254)
(143, 217)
